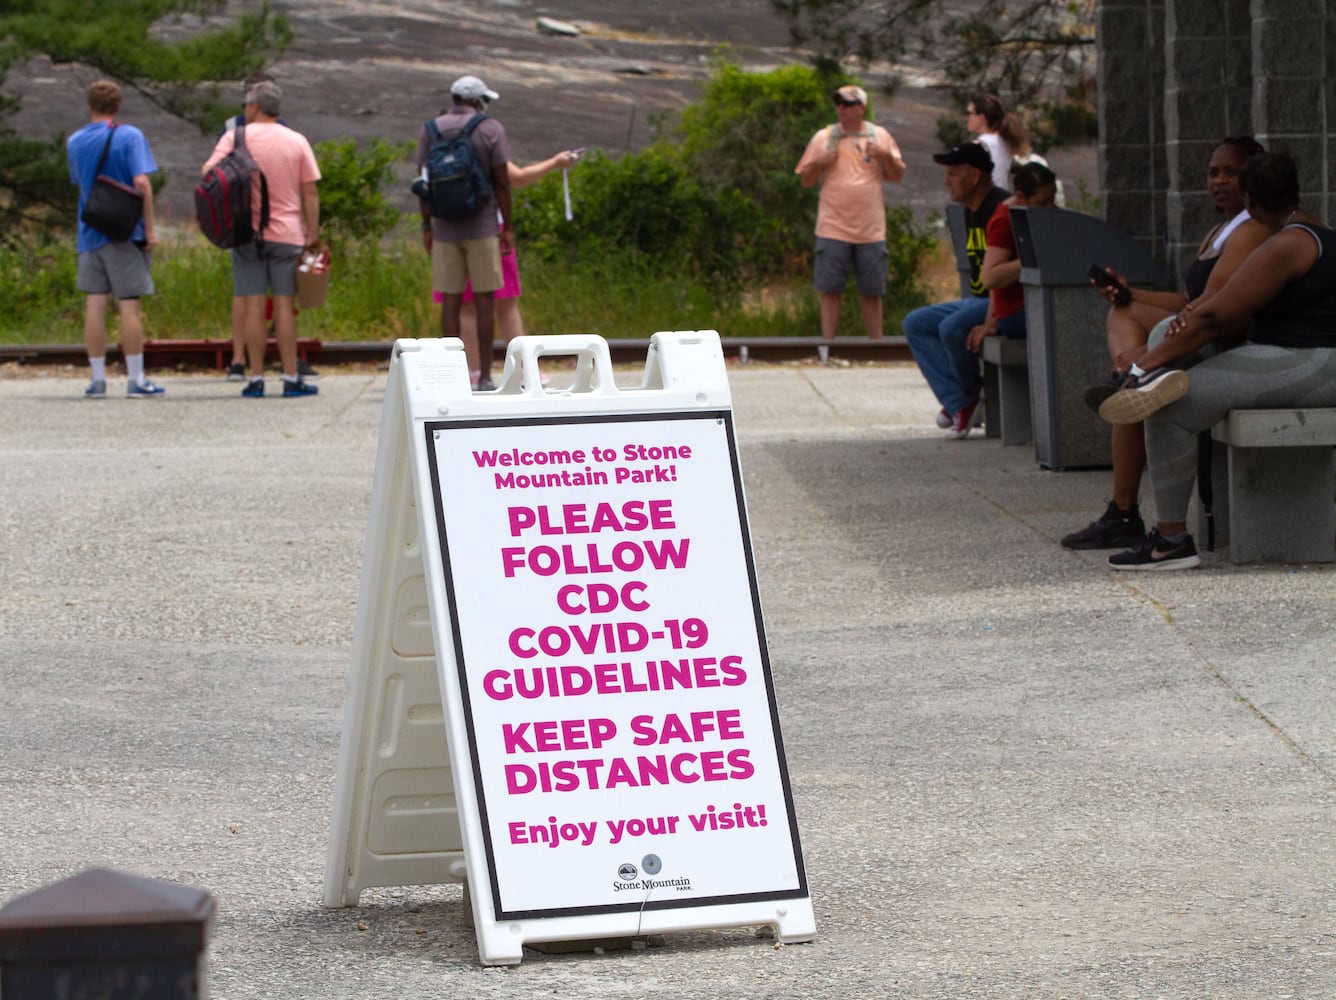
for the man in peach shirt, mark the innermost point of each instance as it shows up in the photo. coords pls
(850, 160)
(269, 264)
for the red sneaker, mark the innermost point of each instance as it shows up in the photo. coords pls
(962, 421)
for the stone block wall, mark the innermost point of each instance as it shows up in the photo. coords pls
(1176, 76)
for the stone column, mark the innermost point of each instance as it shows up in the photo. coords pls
(1294, 96)
(1130, 75)
(1207, 96)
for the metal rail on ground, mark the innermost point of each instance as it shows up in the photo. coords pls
(216, 354)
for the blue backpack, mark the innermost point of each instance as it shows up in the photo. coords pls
(457, 186)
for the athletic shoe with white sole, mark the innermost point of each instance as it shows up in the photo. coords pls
(1145, 395)
(962, 422)
(143, 390)
(1154, 553)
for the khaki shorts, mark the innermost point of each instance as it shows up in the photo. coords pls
(457, 264)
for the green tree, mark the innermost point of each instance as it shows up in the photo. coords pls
(168, 50)
(1037, 55)
(353, 181)
(747, 131)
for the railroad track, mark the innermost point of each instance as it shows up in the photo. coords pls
(216, 354)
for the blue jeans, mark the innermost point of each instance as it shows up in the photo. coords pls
(1012, 327)
(937, 336)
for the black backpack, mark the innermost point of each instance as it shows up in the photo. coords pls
(223, 198)
(457, 187)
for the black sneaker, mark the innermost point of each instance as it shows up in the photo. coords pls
(1145, 395)
(236, 372)
(298, 388)
(1154, 553)
(1096, 394)
(304, 369)
(1116, 529)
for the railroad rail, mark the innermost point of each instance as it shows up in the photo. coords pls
(217, 354)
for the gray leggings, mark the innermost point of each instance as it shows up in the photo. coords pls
(1251, 376)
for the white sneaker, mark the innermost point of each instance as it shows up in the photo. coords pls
(1145, 395)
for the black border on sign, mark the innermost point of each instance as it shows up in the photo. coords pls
(430, 428)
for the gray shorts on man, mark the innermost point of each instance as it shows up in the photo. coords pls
(265, 268)
(119, 269)
(835, 259)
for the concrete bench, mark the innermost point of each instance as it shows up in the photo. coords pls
(1006, 390)
(1274, 479)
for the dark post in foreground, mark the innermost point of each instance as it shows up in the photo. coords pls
(108, 935)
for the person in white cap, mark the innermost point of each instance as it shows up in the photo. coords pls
(468, 251)
(850, 160)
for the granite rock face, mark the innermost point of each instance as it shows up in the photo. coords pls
(362, 69)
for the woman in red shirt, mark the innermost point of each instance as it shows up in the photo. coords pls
(1034, 184)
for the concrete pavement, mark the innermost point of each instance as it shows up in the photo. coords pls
(1017, 774)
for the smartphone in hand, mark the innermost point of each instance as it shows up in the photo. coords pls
(1122, 294)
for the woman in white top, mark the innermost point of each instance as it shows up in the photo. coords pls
(999, 131)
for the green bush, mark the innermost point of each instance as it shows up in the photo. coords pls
(353, 200)
(37, 294)
(647, 208)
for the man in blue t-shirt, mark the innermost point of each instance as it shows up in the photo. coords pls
(108, 267)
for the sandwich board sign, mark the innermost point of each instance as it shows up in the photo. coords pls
(560, 691)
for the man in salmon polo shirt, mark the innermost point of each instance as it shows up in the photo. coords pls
(269, 264)
(850, 160)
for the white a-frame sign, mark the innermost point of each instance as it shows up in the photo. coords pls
(560, 689)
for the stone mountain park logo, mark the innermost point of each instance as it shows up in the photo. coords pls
(628, 877)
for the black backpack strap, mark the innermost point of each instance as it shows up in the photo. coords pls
(106, 149)
(239, 142)
(471, 124)
(433, 133)
(1205, 488)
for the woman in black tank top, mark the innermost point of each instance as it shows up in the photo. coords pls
(1286, 288)
(1127, 329)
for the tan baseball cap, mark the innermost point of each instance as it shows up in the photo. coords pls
(856, 95)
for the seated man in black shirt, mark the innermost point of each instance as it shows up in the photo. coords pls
(939, 334)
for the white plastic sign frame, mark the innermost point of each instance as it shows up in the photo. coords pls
(612, 762)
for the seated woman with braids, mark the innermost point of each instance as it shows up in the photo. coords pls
(1286, 358)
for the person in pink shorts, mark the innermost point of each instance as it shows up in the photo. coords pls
(509, 322)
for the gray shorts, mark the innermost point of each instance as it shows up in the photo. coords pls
(119, 269)
(258, 272)
(835, 259)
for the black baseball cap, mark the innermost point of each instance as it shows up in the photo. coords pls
(968, 154)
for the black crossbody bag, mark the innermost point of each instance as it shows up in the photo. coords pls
(112, 208)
